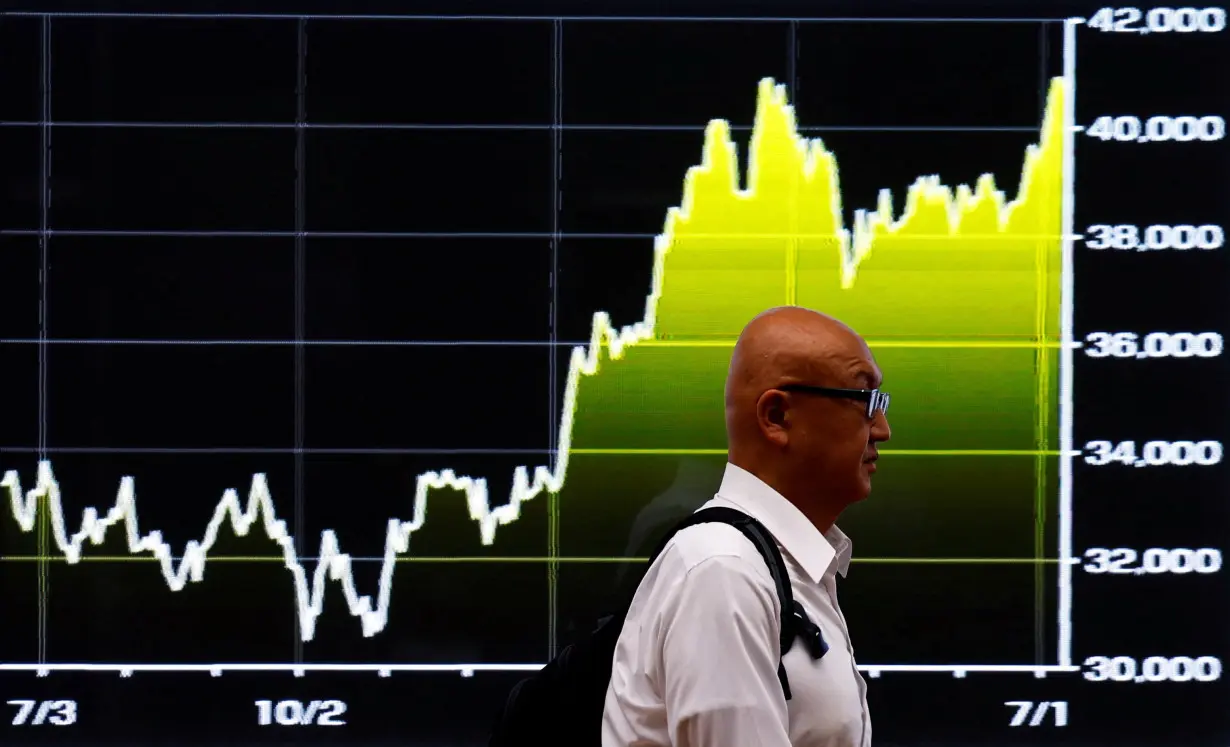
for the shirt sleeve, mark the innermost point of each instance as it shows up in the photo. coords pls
(720, 653)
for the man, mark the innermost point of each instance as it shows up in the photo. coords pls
(696, 663)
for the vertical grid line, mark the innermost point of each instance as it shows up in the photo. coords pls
(300, 301)
(1044, 52)
(792, 245)
(554, 407)
(1042, 400)
(792, 63)
(43, 531)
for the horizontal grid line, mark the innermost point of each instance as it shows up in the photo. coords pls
(272, 450)
(481, 17)
(502, 127)
(297, 343)
(475, 451)
(136, 233)
(882, 452)
(467, 670)
(953, 344)
(513, 559)
(257, 233)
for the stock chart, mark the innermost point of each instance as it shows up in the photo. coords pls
(354, 362)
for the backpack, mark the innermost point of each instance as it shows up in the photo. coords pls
(563, 703)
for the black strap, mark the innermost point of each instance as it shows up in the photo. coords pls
(794, 622)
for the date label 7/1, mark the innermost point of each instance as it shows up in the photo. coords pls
(1042, 713)
(300, 713)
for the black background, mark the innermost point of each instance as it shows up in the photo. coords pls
(546, 225)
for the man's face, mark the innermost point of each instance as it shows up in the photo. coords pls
(836, 439)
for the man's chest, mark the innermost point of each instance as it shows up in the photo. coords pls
(829, 703)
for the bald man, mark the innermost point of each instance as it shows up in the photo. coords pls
(697, 660)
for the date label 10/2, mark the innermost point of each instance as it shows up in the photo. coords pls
(300, 713)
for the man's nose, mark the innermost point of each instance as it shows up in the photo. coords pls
(880, 430)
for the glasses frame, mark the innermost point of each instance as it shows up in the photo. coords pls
(875, 399)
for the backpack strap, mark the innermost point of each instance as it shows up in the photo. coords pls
(794, 622)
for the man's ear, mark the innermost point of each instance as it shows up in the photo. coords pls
(773, 416)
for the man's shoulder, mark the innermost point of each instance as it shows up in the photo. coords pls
(695, 546)
(706, 570)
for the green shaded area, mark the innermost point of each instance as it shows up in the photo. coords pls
(665, 397)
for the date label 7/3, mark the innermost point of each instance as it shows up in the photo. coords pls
(300, 713)
(40, 712)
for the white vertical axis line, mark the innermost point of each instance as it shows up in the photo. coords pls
(1066, 305)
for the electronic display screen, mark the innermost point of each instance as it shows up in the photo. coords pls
(355, 358)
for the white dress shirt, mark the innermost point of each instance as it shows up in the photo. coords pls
(696, 662)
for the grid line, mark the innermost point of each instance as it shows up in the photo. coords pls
(1042, 399)
(468, 670)
(523, 18)
(478, 559)
(273, 233)
(792, 68)
(43, 530)
(335, 451)
(952, 344)
(300, 304)
(553, 434)
(512, 127)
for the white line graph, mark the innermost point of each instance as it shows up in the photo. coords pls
(333, 564)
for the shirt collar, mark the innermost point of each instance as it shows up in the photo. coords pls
(818, 553)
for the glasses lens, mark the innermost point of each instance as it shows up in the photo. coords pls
(879, 401)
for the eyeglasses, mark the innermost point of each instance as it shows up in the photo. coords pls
(875, 399)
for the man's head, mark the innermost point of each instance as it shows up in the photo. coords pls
(785, 424)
